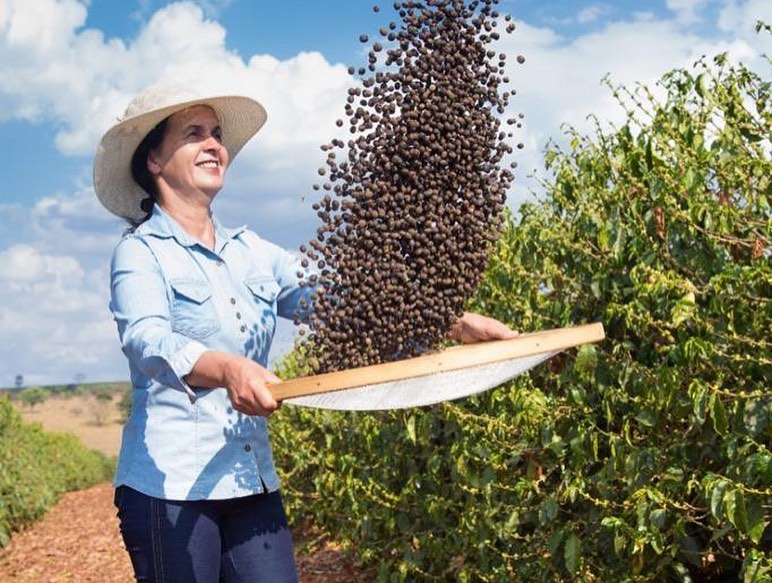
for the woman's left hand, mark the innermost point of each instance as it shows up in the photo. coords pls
(478, 328)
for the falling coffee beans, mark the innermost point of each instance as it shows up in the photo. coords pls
(413, 199)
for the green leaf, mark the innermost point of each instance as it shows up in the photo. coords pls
(684, 310)
(410, 425)
(719, 416)
(586, 359)
(757, 521)
(698, 391)
(573, 553)
(701, 85)
(658, 518)
(403, 522)
(646, 418)
(548, 511)
(736, 512)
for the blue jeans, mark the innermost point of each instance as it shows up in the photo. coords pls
(241, 540)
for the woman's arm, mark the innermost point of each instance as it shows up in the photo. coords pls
(140, 305)
(244, 379)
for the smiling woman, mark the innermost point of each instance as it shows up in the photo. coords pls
(196, 328)
(196, 306)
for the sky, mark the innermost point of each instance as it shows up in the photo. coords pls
(70, 67)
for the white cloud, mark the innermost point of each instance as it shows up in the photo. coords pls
(23, 265)
(560, 82)
(54, 321)
(687, 11)
(83, 82)
(739, 19)
(591, 13)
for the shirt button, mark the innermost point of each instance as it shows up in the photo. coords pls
(233, 301)
(238, 315)
(243, 328)
(247, 447)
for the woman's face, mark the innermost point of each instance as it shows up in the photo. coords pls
(191, 160)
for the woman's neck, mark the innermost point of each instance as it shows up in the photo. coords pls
(195, 221)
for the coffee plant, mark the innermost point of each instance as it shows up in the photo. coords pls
(643, 458)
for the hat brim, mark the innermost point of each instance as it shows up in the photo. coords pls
(240, 119)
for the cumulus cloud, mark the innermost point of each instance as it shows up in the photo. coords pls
(81, 83)
(561, 81)
(741, 18)
(591, 13)
(54, 321)
(687, 11)
(55, 70)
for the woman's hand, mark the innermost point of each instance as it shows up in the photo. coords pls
(245, 380)
(477, 328)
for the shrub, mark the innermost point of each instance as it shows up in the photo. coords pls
(36, 467)
(644, 458)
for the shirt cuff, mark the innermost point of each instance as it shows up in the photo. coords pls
(183, 362)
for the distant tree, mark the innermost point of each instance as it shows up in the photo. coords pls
(33, 396)
(102, 405)
(19, 382)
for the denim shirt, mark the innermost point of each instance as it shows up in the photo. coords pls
(173, 299)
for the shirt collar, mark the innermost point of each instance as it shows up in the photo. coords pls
(162, 225)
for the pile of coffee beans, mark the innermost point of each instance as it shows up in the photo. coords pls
(411, 202)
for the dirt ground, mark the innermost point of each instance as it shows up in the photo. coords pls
(78, 540)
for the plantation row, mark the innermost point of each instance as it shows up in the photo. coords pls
(643, 458)
(36, 467)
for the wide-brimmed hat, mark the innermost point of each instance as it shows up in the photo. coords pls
(240, 118)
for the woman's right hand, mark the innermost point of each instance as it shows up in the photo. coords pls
(244, 379)
(246, 382)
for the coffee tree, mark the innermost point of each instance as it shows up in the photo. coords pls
(643, 458)
(655, 446)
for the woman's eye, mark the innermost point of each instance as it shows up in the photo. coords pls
(217, 135)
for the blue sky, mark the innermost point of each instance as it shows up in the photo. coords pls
(71, 66)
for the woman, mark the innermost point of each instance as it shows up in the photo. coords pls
(196, 305)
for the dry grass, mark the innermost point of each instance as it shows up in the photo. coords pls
(79, 414)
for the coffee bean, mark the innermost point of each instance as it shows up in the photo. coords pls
(409, 217)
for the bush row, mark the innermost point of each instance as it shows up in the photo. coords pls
(36, 467)
(643, 458)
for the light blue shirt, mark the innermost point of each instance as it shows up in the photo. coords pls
(173, 299)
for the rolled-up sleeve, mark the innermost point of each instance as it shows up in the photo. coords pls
(293, 299)
(140, 305)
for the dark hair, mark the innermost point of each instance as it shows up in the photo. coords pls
(141, 174)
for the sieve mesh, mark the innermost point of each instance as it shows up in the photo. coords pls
(423, 390)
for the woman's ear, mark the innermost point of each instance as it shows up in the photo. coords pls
(152, 163)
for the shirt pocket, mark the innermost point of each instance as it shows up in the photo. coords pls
(265, 290)
(193, 310)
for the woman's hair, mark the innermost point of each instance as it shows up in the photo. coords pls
(141, 174)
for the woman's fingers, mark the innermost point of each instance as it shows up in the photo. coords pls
(476, 328)
(249, 392)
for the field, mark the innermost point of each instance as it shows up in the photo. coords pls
(97, 422)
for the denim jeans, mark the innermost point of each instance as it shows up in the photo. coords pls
(239, 540)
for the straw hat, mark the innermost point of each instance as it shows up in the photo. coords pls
(240, 119)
